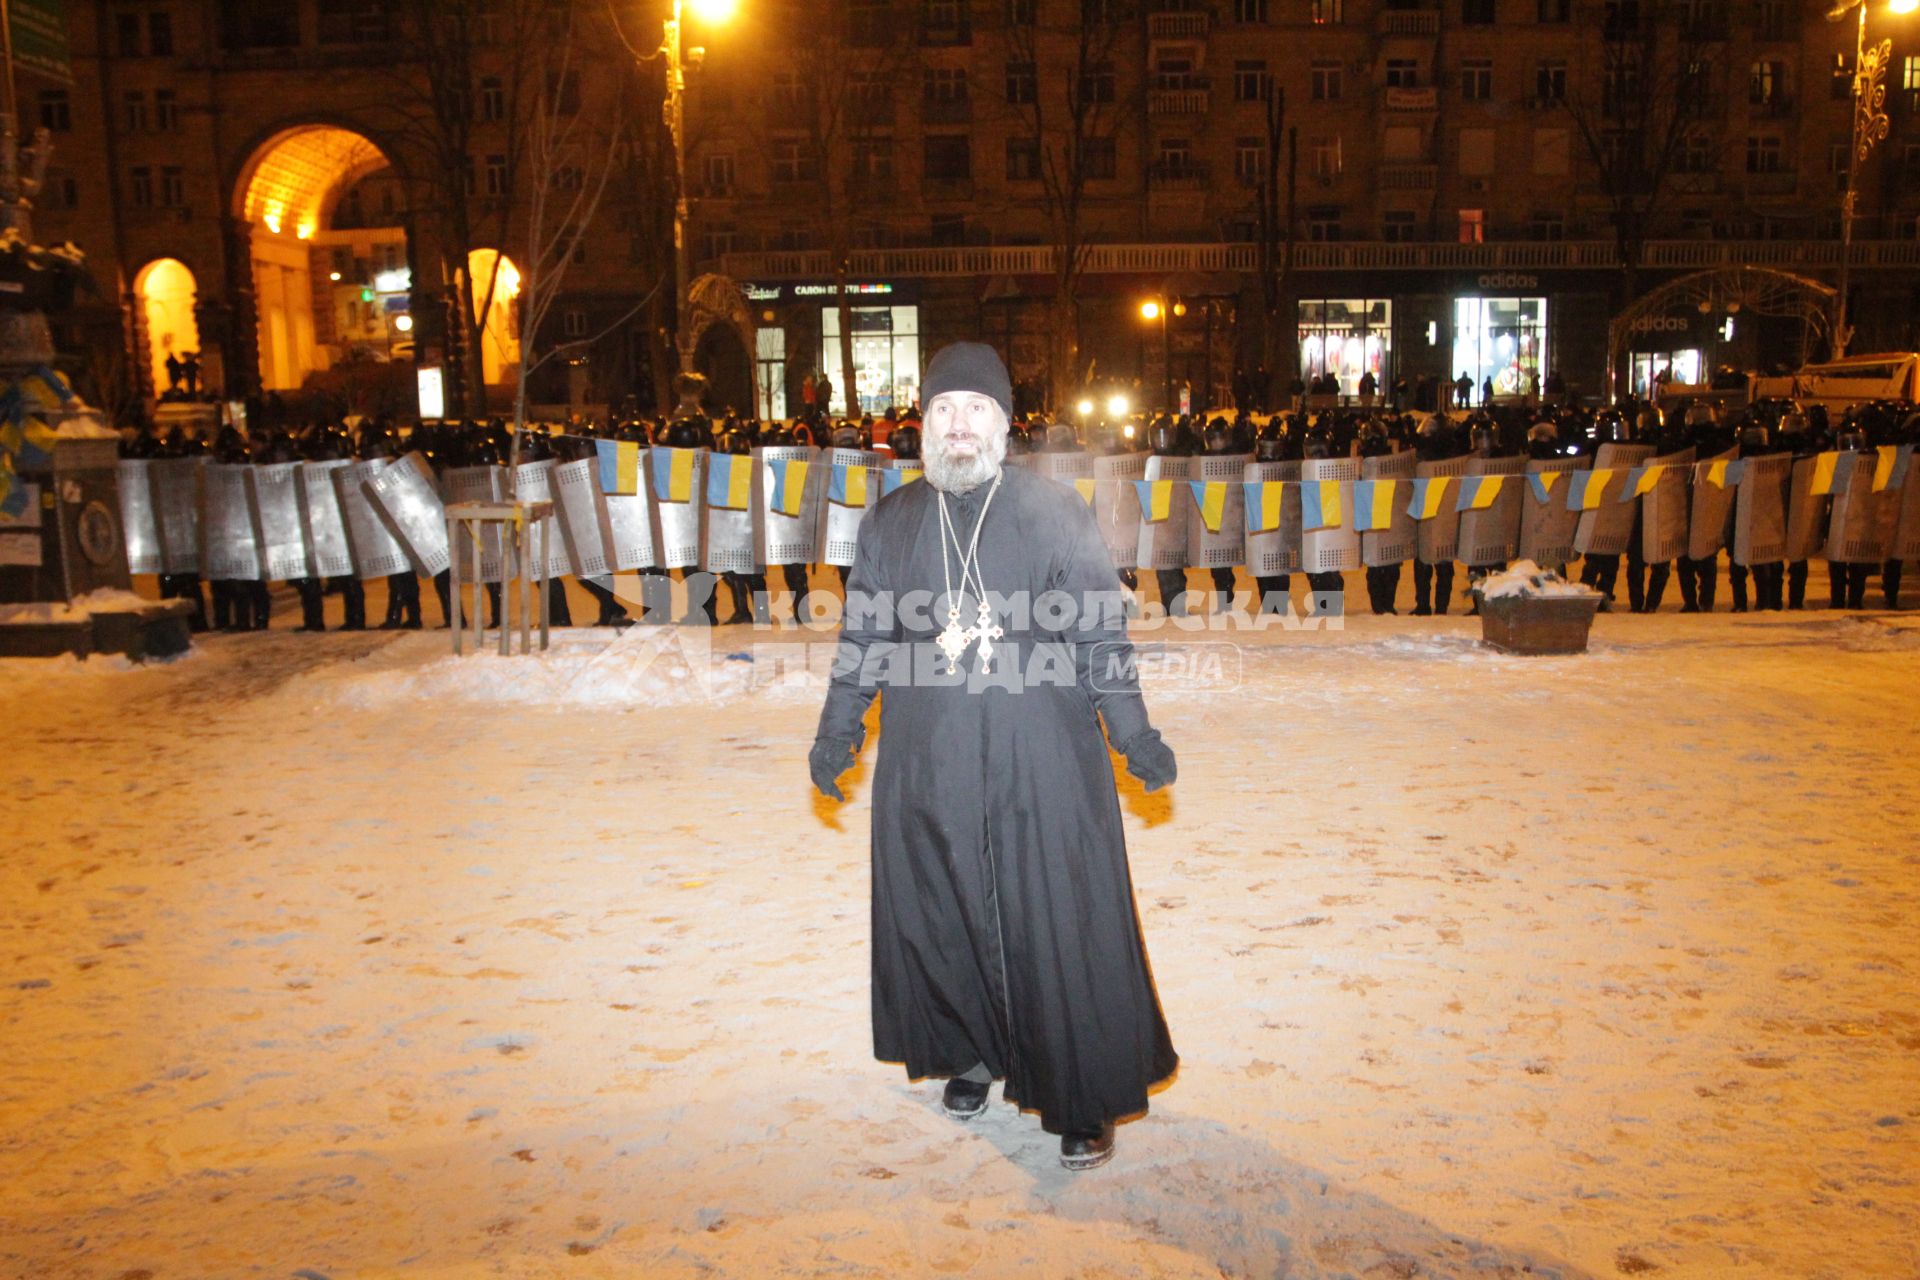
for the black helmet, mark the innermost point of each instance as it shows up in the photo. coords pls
(1061, 438)
(1164, 438)
(906, 442)
(846, 436)
(1219, 439)
(1318, 442)
(1373, 439)
(687, 433)
(1543, 440)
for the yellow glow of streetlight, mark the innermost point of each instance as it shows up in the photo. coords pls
(1180, 308)
(1085, 407)
(1149, 310)
(1117, 407)
(1903, 6)
(715, 12)
(403, 322)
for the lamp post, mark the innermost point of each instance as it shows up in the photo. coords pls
(1869, 127)
(711, 12)
(1157, 309)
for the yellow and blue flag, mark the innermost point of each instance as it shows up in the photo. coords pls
(1890, 468)
(1736, 471)
(1211, 497)
(619, 465)
(789, 485)
(672, 474)
(14, 496)
(848, 487)
(1320, 506)
(1084, 486)
(1156, 499)
(893, 477)
(1263, 498)
(1640, 480)
(1373, 504)
(730, 481)
(1828, 474)
(1428, 493)
(1717, 472)
(1478, 492)
(1542, 482)
(1585, 489)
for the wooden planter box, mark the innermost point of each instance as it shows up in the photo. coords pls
(1537, 624)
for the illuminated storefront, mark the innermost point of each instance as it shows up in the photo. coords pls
(799, 335)
(1503, 340)
(1349, 338)
(886, 357)
(1678, 368)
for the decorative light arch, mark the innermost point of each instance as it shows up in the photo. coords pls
(1761, 291)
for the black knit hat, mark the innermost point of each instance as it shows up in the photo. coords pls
(968, 366)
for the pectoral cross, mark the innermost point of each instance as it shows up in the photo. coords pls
(953, 639)
(986, 631)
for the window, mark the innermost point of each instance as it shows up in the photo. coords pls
(140, 189)
(1096, 83)
(947, 229)
(496, 184)
(569, 177)
(1766, 83)
(1249, 10)
(1250, 161)
(943, 15)
(945, 84)
(166, 111)
(1403, 73)
(1099, 158)
(56, 111)
(1837, 153)
(792, 160)
(61, 192)
(1763, 154)
(1555, 10)
(717, 241)
(1176, 155)
(1323, 225)
(787, 96)
(135, 111)
(160, 33)
(873, 93)
(1550, 82)
(1473, 226)
(1910, 157)
(1328, 13)
(493, 99)
(1097, 13)
(1020, 13)
(873, 159)
(1023, 159)
(368, 22)
(573, 323)
(1549, 226)
(1251, 80)
(1696, 154)
(948, 157)
(1398, 226)
(1842, 82)
(1326, 158)
(173, 189)
(1476, 80)
(1022, 86)
(1770, 19)
(1325, 80)
(869, 24)
(126, 28)
(1476, 13)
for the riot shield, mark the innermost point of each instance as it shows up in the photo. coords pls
(1276, 551)
(1712, 509)
(1336, 548)
(176, 499)
(1806, 514)
(406, 497)
(605, 533)
(228, 548)
(1760, 510)
(1163, 543)
(1226, 546)
(679, 529)
(730, 532)
(328, 553)
(273, 497)
(839, 528)
(1066, 467)
(787, 536)
(1546, 527)
(1856, 532)
(1395, 543)
(376, 554)
(533, 482)
(138, 518)
(478, 484)
(1906, 528)
(1664, 509)
(1606, 529)
(1116, 507)
(1490, 535)
(1438, 539)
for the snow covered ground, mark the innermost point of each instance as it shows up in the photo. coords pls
(339, 957)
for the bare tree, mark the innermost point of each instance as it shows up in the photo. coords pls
(1280, 327)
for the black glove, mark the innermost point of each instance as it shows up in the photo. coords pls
(829, 758)
(1150, 760)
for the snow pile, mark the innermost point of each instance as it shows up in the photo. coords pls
(79, 609)
(1525, 578)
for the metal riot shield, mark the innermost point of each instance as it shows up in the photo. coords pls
(1856, 532)
(273, 497)
(1806, 514)
(1163, 543)
(839, 527)
(228, 548)
(139, 521)
(478, 484)
(1491, 534)
(678, 530)
(1273, 552)
(1438, 540)
(533, 482)
(406, 497)
(730, 530)
(1712, 509)
(1335, 548)
(1760, 510)
(787, 536)
(605, 533)
(1906, 529)
(1225, 547)
(1116, 506)
(1393, 544)
(1074, 464)
(1606, 529)
(328, 553)
(1546, 528)
(376, 553)
(1664, 509)
(176, 500)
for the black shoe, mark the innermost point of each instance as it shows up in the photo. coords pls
(1422, 611)
(964, 1099)
(1086, 1148)
(391, 624)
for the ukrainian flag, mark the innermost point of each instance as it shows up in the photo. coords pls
(1478, 492)
(13, 494)
(1826, 472)
(1717, 472)
(1890, 468)
(894, 477)
(789, 485)
(1541, 482)
(1373, 504)
(1084, 487)
(1428, 493)
(27, 438)
(730, 481)
(1263, 499)
(619, 465)
(1320, 504)
(673, 474)
(1640, 480)
(848, 487)
(1586, 488)
(1211, 497)
(1156, 499)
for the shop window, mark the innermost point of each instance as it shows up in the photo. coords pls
(1502, 340)
(886, 357)
(1347, 338)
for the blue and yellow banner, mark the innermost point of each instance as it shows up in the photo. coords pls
(848, 487)
(1717, 472)
(672, 474)
(894, 477)
(1736, 471)
(1084, 486)
(789, 485)
(1156, 499)
(1263, 498)
(1477, 493)
(14, 495)
(1320, 506)
(1585, 489)
(1373, 504)
(1428, 494)
(730, 481)
(1890, 467)
(1640, 480)
(1828, 475)
(1542, 482)
(1211, 497)
(619, 465)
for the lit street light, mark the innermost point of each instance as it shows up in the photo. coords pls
(711, 13)
(1870, 126)
(1085, 407)
(1157, 309)
(1117, 407)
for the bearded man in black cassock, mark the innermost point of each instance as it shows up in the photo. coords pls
(1005, 940)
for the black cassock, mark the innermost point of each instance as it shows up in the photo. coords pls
(1004, 928)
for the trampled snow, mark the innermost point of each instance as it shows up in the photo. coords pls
(338, 956)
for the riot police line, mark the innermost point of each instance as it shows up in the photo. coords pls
(328, 511)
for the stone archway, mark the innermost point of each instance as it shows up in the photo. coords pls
(715, 301)
(167, 326)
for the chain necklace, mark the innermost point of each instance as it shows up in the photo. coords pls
(954, 639)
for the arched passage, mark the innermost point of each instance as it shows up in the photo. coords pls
(496, 288)
(166, 289)
(328, 253)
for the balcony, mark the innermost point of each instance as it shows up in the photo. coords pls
(946, 110)
(1185, 24)
(1404, 99)
(1176, 175)
(1410, 24)
(1179, 95)
(1408, 177)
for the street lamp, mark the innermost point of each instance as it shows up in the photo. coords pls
(1869, 127)
(1157, 309)
(711, 13)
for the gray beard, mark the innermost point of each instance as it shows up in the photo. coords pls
(959, 475)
